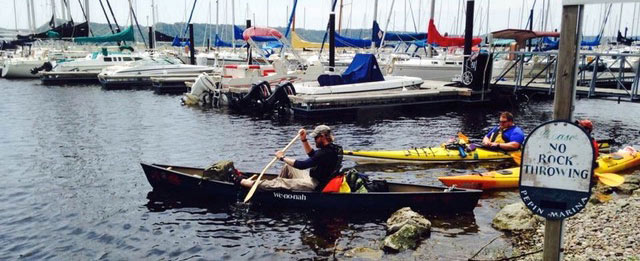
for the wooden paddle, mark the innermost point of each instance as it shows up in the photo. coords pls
(255, 184)
(609, 179)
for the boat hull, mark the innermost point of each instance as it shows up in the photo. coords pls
(431, 199)
(424, 156)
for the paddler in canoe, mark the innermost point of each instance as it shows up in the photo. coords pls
(506, 136)
(309, 174)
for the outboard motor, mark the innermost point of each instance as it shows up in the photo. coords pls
(46, 66)
(254, 100)
(279, 100)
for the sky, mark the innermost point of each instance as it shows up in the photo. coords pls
(313, 14)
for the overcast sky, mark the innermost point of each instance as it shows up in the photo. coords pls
(313, 14)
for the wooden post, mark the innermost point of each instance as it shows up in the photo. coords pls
(332, 41)
(468, 29)
(563, 103)
(249, 58)
(192, 44)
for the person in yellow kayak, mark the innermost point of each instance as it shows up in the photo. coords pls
(506, 136)
(312, 173)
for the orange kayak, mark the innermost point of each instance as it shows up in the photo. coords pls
(509, 178)
(506, 178)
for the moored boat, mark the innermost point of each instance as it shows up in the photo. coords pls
(433, 199)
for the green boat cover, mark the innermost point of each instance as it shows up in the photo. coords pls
(126, 35)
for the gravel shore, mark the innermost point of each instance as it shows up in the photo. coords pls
(607, 229)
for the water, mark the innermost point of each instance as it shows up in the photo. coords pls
(72, 187)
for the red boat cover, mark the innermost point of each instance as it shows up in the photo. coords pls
(433, 36)
(260, 32)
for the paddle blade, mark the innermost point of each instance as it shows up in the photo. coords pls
(610, 179)
(251, 192)
(517, 157)
(463, 138)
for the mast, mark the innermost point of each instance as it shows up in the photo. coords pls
(153, 22)
(53, 12)
(33, 17)
(405, 15)
(268, 13)
(87, 12)
(620, 18)
(233, 23)
(375, 17)
(15, 16)
(340, 18)
(387, 25)
(488, 5)
(431, 13)
(217, 21)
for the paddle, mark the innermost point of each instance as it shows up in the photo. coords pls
(609, 179)
(255, 184)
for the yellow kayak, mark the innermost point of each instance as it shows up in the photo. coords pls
(509, 178)
(425, 155)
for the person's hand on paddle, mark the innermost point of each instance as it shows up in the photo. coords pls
(279, 154)
(303, 134)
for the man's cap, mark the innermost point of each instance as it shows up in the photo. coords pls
(587, 124)
(320, 129)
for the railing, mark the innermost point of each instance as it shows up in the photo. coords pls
(619, 69)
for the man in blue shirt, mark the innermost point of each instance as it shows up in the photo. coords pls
(312, 173)
(505, 136)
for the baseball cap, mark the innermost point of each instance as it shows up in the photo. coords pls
(320, 129)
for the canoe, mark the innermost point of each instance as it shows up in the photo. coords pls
(434, 199)
(509, 178)
(425, 155)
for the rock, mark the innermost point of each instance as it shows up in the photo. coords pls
(364, 253)
(636, 193)
(405, 238)
(627, 188)
(516, 217)
(405, 216)
(405, 229)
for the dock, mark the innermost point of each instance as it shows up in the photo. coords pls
(69, 77)
(430, 92)
(171, 85)
(112, 82)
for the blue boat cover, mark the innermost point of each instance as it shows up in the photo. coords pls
(176, 42)
(342, 41)
(363, 68)
(553, 45)
(219, 43)
(377, 34)
(237, 31)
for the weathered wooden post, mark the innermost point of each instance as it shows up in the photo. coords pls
(192, 44)
(332, 41)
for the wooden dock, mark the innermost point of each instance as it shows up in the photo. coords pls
(430, 92)
(69, 77)
(582, 91)
(171, 85)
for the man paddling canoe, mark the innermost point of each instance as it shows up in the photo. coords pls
(312, 173)
(506, 136)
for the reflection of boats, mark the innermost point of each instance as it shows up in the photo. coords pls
(424, 198)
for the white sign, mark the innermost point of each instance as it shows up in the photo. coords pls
(558, 155)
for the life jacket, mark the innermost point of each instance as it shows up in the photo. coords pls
(499, 137)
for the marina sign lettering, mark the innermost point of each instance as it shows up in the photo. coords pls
(556, 170)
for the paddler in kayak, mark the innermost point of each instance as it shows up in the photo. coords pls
(506, 136)
(311, 173)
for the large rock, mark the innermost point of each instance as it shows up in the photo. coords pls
(516, 217)
(405, 230)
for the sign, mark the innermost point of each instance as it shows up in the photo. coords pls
(556, 171)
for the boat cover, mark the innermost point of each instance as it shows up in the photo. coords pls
(363, 68)
(126, 35)
(434, 37)
(219, 43)
(237, 31)
(66, 30)
(390, 36)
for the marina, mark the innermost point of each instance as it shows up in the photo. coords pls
(156, 130)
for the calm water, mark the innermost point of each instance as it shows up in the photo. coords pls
(72, 187)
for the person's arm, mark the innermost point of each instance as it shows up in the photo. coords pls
(305, 142)
(508, 146)
(486, 141)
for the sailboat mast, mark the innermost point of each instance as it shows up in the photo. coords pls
(87, 12)
(620, 18)
(15, 16)
(431, 14)
(233, 23)
(217, 20)
(53, 12)
(488, 5)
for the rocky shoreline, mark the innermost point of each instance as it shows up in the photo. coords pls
(607, 229)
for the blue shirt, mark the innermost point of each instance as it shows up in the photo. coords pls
(513, 133)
